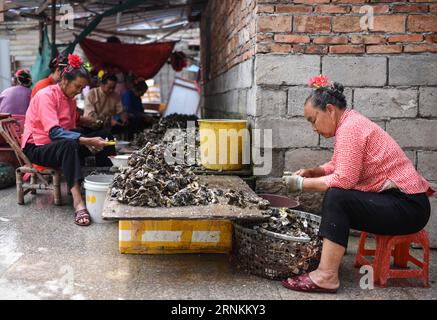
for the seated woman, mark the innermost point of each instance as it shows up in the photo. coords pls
(370, 184)
(133, 106)
(56, 66)
(48, 138)
(15, 100)
(103, 104)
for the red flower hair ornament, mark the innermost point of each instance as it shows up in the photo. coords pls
(318, 82)
(75, 61)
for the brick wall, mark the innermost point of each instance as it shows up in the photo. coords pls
(230, 26)
(228, 43)
(333, 26)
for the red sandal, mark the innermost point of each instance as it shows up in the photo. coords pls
(82, 214)
(305, 284)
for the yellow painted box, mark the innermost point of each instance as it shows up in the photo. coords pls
(175, 236)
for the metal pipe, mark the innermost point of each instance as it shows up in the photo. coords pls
(53, 29)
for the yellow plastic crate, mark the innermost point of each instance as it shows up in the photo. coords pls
(175, 236)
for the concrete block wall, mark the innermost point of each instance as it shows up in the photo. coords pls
(230, 95)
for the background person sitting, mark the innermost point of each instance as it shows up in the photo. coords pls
(15, 100)
(133, 106)
(103, 104)
(56, 66)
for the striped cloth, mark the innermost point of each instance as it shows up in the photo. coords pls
(367, 159)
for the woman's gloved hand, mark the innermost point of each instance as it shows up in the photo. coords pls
(293, 183)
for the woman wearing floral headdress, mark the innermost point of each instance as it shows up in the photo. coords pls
(370, 183)
(49, 138)
(15, 100)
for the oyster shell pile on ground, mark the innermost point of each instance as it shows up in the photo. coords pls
(150, 181)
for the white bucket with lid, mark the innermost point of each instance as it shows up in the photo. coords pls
(96, 188)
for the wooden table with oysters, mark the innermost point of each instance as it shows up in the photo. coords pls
(149, 195)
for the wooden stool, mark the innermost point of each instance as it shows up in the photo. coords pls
(399, 248)
(11, 130)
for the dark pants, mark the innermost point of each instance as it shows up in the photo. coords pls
(68, 155)
(390, 212)
(136, 124)
(128, 130)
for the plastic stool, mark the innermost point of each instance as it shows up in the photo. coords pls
(399, 248)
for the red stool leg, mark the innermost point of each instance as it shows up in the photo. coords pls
(359, 257)
(424, 240)
(381, 266)
(402, 254)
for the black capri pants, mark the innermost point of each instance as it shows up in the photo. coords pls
(68, 155)
(390, 212)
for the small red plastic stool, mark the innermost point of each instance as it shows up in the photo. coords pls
(399, 248)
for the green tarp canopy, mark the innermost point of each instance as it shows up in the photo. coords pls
(40, 68)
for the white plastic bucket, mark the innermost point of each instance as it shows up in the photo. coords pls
(96, 188)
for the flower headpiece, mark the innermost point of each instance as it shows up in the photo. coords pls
(318, 82)
(74, 62)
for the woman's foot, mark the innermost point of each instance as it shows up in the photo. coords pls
(325, 279)
(81, 215)
(304, 283)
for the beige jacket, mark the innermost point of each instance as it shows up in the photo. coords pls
(100, 106)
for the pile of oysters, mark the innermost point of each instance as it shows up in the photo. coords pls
(150, 181)
(156, 134)
(284, 221)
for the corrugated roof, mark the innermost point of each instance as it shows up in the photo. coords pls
(151, 17)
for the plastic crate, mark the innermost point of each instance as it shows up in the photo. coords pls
(175, 236)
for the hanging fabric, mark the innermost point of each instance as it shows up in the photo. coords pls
(141, 60)
(40, 69)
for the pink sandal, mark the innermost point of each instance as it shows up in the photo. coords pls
(305, 284)
(82, 214)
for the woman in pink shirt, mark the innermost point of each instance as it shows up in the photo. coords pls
(370, 184)
(49, 138)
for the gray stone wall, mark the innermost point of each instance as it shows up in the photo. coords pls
(230, 95)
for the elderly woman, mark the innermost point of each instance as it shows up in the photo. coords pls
(370, 184)
(48, 138)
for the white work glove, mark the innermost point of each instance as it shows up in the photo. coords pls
(293, 183)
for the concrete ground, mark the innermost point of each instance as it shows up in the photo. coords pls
(44, 255)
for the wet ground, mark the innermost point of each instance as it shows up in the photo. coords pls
(44, 255)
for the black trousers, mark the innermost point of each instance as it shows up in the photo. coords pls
(390, 212)
(68, 155)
